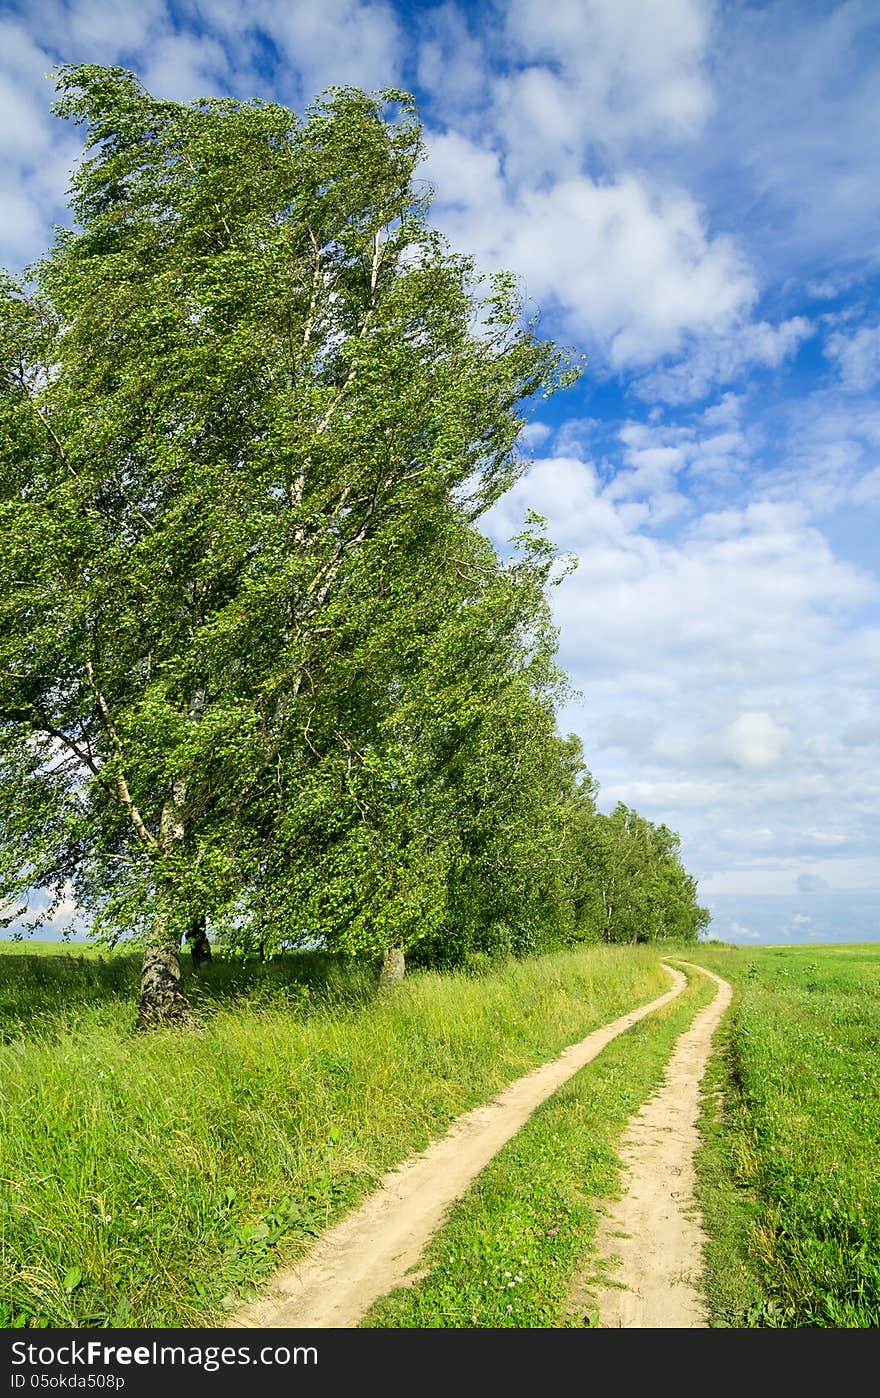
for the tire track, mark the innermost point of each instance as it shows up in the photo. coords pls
(374, 1248)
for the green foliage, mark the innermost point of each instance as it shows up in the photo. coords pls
(259, 667)
(246, 424)
(633, 886)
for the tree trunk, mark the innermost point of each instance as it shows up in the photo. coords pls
(197, 937)
(162, 1002)
(393, 967)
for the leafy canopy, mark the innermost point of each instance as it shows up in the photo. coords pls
(256, 661)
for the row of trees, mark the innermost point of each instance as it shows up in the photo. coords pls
(260, 673)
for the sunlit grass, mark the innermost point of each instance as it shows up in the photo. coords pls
(157, 1179)
(789, 1171)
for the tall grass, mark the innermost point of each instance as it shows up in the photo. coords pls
(791, 1168)
(156, 1180)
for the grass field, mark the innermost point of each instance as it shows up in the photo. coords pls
(790, 1172)
(155, 1180)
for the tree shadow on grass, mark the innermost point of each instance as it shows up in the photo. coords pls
(37, 989)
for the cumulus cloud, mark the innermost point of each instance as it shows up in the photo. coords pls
(534, 433)
(328, 43)
(541, 166)
(717, 676)
(759, 585)
(630, 268)
(629, 71)
(63, 921)
(739, 931)
(451, 62)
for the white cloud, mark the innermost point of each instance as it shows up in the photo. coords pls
(23, 130)
(575, 435)
(857, 357)
(62, 920)
(721, 359)
(758, 587)
(548, 173)
(726, 413)
(659, 458)
(466, 174)
(534, 433)
(630, 268)
(99, 33)
(624, 266)
(719, 673)
(754, 741)
(183, 67)
(24, 226)
(830, 287)
(810, 883)
(334, 42)
(632, 71)
(739, 929)
(451, 62)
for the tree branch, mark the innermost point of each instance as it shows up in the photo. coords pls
(122, 791)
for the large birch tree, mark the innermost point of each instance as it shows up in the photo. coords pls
(250, 404)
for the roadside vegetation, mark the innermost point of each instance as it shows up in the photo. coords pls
(157, 1181)
(789, 1168)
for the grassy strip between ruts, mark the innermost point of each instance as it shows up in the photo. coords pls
(510, 1251)
(156, 1180)
(788, 1173)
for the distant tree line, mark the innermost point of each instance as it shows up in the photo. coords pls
(261, 676)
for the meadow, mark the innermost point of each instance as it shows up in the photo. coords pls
(156, 1180)
(787, 1174)
(159, 1180)
(790, 1168)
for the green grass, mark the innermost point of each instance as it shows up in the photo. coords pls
(47, 987)
(156, 1180)
(510, 1251)
(34, 946)
(789, 1171)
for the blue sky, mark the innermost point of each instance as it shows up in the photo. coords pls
(689, 193)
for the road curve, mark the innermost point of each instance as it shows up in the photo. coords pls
(375, 1248)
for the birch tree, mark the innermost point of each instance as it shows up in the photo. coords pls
(247, 401)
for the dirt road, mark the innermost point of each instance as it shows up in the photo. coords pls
(374, 1248)
(655, 1231)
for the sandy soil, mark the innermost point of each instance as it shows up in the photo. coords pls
(376, 1248)
(653, 1238)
